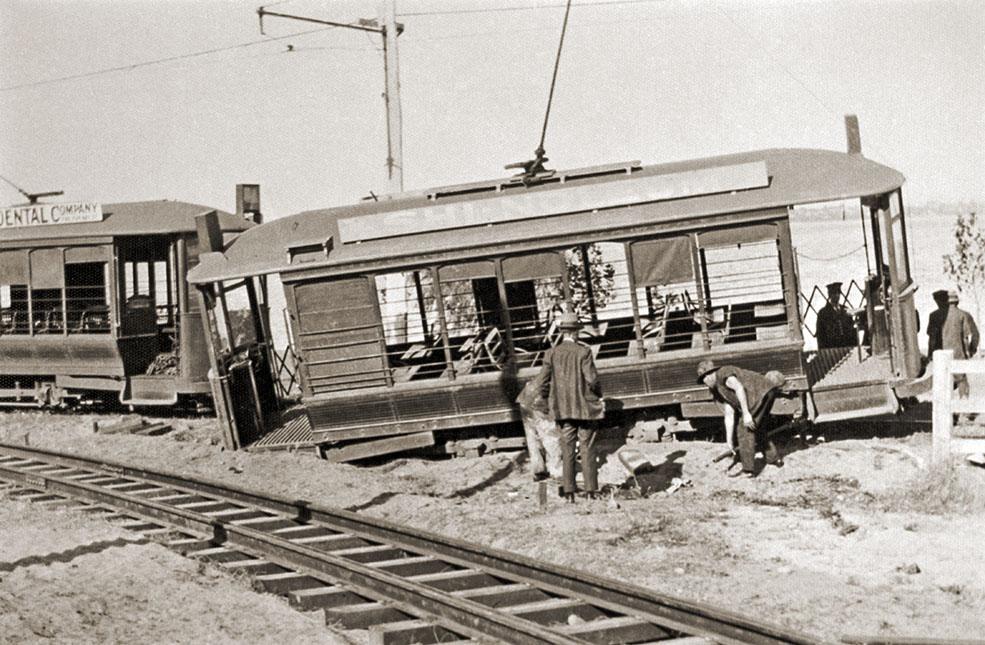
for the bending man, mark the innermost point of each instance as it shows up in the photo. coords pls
(749, 396)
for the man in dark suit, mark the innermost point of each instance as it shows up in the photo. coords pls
(570, 383)
(959, 333)
(935, 325)
(749, 396)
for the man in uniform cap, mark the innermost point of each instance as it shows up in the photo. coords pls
(835, 327)
(749, 396)
(570, 383)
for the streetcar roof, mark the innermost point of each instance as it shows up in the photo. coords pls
(470, 215)
(159, 217)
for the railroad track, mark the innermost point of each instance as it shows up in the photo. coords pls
(405, 585)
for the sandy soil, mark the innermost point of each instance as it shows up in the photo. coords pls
(851, 536)
(70, 578)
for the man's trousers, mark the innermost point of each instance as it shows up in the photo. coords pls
(583, 432)
(750, 440)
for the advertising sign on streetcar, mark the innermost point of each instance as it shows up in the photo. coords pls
(45, 214)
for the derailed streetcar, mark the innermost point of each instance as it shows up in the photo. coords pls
(94, 305)
(426, 312)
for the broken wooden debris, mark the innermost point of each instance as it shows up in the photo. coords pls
(481, 446)
(134, 425)
(376, 447)
(656, 430)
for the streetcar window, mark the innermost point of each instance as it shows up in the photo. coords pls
(47, 282)
(600, 294)
(147, 276)
(13, 293)
(409, 313)
(666, 293)
(407, 306)
(899, 239)
(220, 327)
(13, 309)
(470, 297)
(137, 279)
(85, 298)
(743, 284)
(47, 311)
(241, 316)
(165, 292)
(534, 286)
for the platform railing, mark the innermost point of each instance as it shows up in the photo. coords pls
(947, 440)
(286, 370)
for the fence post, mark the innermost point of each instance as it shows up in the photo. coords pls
(943, 390)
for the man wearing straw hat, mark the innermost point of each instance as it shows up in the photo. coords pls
(570, 383)
(749, 396)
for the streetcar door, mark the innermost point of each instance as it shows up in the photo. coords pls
(241, 377)
(902, 313)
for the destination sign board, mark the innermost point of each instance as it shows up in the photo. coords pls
(48, 214)
(482, 212)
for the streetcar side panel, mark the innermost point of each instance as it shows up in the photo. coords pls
(450, 344)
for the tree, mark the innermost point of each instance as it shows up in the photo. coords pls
(966, 266)
(602, 275)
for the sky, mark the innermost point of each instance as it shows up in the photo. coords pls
(649, 80)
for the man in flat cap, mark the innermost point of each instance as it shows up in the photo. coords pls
(749, 396)
(570, 383)
(835, 327)
(959, 333)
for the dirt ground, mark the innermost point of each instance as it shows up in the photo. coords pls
(851, 536)
(70, 578)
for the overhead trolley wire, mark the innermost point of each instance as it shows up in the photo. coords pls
(786, 70)
(160, 61)
(775, 61)
(449, 12)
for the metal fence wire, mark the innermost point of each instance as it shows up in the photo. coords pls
(810, 305)
(286, 372)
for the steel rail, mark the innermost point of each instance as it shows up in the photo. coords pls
(671, 613)
(471, 617)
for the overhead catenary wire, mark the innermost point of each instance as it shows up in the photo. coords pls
(160, 61)
(267, 39)
(784, 68)
(449, 12)
(776, 62)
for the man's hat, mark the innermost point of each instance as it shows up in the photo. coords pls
(705, 367)
(940, 294)
(834, 286)
(952, 296)
(568, 321)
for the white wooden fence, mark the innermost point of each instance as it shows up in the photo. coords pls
(947, 404)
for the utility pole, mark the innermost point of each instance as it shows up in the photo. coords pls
(386, 26)
(394, 129)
